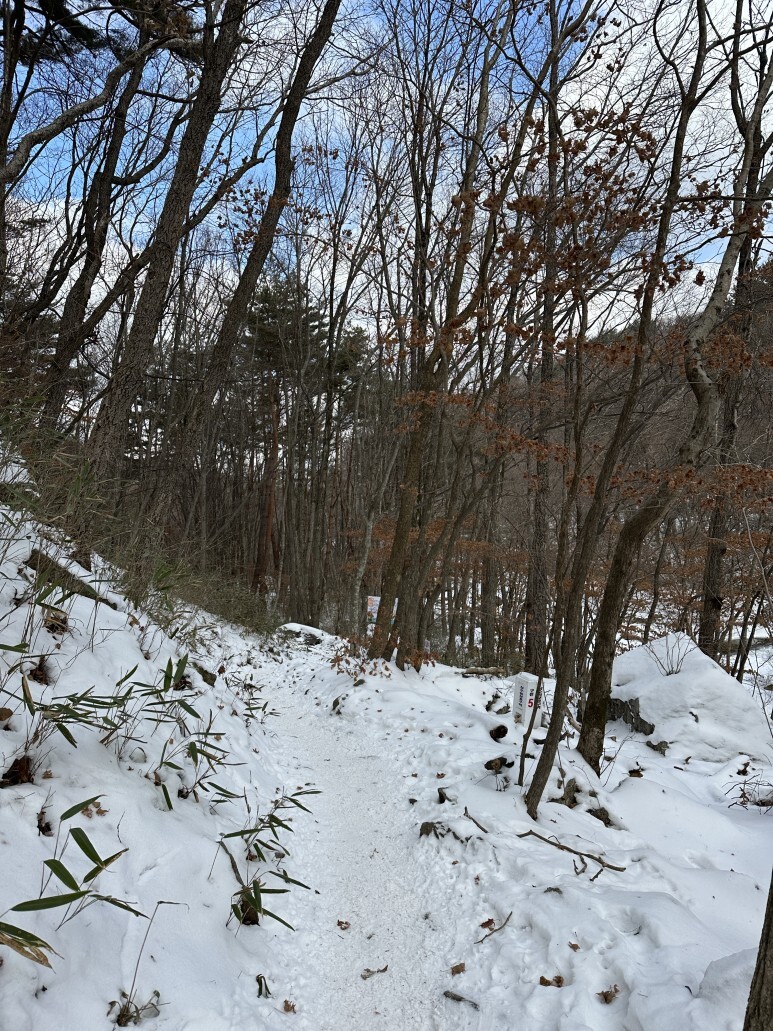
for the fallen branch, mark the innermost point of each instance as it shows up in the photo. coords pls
(495, 929)
(484, 671)
(478, 825)
(461, 998)
(574, 851)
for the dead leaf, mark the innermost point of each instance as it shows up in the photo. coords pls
(574, 946)
(488, 924)
(31, 948)
(458, 968)
(367, 972)
(635, 773)
(344, 925)
(440, 775)
(609, 994)
(553, 982)
(289, 1007)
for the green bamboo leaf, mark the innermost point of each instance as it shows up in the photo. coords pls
(188, 708)
(245, 833)
(45, 593)
(121, 904)
(224, 791)
(65, 732)
(75, 809)
(284, 876)
(97, 870)
(166, 796)
(62, 600)
(59, 870)
(111, 859)
(22, 935)
(210, 755)
(300, 805)
(19, 648)
(267, 912)
(126, 677)
(50, 903)
(180, 669)
(81, 839)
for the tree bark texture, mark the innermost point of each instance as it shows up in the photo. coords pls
(759, 1011)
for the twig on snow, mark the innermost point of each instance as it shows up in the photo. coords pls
(495, 929)
(574, 851)
(478, 825)
(461, 998)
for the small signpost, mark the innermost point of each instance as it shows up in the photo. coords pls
(524, 698)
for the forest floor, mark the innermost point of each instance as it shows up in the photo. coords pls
(428, 900)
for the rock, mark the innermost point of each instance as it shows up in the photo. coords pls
(569, 796)
(501, 762)
(628, 712)
(204, 673)
(307, 635)
(661, 747)
(602, 814)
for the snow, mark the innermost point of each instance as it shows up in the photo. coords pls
(669, 937)
(692, 700)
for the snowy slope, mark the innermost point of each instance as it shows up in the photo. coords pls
(650, 923)
(203, 970)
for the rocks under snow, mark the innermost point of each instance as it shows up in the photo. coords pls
(670, 691)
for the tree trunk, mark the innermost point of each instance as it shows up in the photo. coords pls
(96, 217)
(200, 402)
(759, 1012)
(106, 442)
(656, 583)
(594, 719)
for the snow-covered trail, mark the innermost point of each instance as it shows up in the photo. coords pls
(360, 852)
